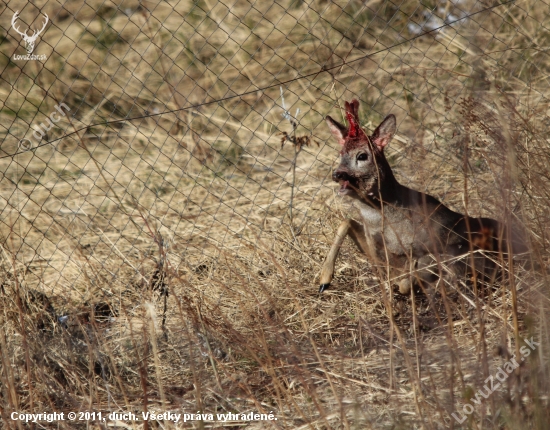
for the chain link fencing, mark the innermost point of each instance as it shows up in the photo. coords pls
(202, 122)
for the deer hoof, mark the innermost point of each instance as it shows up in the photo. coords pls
(405, 286)
(323, 287)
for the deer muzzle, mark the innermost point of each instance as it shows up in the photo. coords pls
(348, 183)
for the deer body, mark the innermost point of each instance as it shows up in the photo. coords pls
(398, 226)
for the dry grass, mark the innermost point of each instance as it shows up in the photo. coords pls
(195, 203)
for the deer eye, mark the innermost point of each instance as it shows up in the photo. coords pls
(363, 157)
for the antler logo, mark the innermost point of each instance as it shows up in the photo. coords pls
(29, 40)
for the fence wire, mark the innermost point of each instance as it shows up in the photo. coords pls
(187, 135)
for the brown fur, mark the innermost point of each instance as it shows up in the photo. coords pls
(399, 226)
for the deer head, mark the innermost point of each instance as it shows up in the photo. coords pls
(29, 40)
(363, 167)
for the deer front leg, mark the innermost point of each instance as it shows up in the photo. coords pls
(357, 233)
(421, 273)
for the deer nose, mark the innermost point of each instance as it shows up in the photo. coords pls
(339, 175)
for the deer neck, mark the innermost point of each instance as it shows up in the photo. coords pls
(387, 190)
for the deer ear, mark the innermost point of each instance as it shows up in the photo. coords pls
(355, 108)
(384, 132)
(338, 130)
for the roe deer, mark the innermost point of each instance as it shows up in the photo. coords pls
(398, 226)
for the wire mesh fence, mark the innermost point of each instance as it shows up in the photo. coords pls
(146, 117)
(183, 142)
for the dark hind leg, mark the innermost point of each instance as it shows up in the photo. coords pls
(481, 270)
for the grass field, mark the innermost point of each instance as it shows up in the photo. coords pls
(197, 193)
